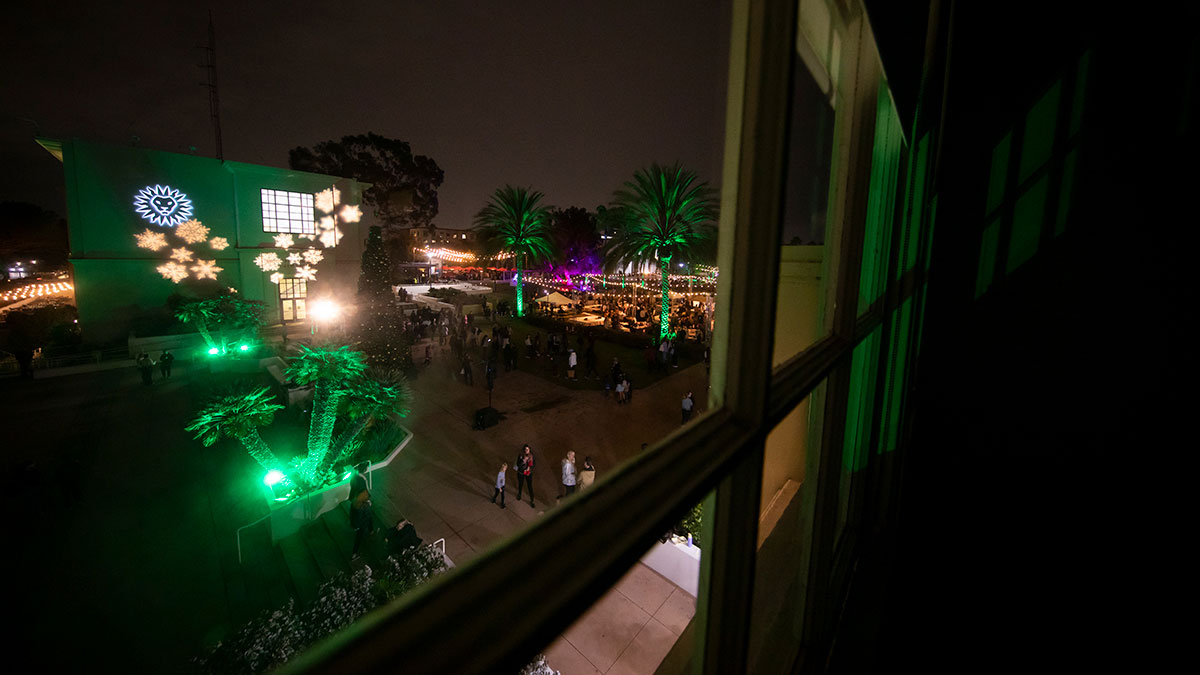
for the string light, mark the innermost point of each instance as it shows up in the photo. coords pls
(36, 291)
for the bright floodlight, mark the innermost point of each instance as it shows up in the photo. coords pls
(244, 348)
(324, 310)
(273, 477)
(214, 351)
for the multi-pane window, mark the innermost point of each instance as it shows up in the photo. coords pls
(293, 294)
(288, 212)
(290, 289)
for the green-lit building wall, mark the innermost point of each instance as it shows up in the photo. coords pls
(116, 281)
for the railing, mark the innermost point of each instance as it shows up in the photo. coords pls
(239, 535)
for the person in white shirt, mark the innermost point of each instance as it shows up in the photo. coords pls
(500, 485)
(568, 473)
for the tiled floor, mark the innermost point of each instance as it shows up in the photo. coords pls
(628, 631)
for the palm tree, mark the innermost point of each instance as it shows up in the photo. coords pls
(374, 397)
(199, 312)
(514, 221)
(330, 371)
(239, 415)
(667, 212)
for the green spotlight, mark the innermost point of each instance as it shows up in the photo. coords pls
(214, 351)
(273, 477)
(245, 348)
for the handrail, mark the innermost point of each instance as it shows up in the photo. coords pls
(441, 541)
(239, 535)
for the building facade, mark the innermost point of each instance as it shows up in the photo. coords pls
(145, 224)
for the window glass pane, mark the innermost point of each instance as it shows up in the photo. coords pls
(780, 565)
(802, 289)
(881, 202)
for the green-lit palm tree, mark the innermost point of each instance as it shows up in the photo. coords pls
(239, 415)
(666, 212)
(331, 372)
(201, 313)
(374, 397)
(515, 221)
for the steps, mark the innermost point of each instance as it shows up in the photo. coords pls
(297, 565)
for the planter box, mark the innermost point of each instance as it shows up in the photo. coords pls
(286, 518)
(678, 562)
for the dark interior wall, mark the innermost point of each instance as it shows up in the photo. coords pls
(1048, 411)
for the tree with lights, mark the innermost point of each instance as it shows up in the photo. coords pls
(375, 397)
(515, 221)
(665, 212)
(380, 332)
(239, 415)
(330, 371)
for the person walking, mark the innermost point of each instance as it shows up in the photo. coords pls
(146, 366)
(620, 391)
(360, 506)
(568, 474)
(688, 404)
(466, 372)
(164, 363)
(587, 475)
(500, 485)
(524, 468)
(572, 361)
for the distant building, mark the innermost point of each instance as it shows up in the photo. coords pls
(440, 237)
(144, 224)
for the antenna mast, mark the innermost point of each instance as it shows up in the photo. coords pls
(214, 100)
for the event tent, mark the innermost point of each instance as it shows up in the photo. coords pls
(557, 299)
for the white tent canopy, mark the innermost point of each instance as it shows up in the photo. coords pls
(557, 299)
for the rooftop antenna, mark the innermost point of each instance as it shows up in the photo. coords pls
(210, 69)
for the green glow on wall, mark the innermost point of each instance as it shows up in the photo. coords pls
(987, 257)
(999, 175)
(1039, 132)
(1027, 225)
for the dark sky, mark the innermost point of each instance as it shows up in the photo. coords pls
(568, 97)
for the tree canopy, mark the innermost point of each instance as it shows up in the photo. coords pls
(404, 186)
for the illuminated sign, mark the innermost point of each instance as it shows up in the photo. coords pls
(163, 205)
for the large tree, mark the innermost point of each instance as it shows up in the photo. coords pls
(515, 221)
(666, 212)
(576, 241)
(404, 186)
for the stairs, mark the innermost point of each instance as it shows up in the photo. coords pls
(297, 565)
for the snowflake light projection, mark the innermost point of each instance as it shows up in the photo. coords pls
(162, 205)
(268, 262)
(330, 238)
(218, 243)
(312, 256)
(206, 269)
(284, 241)
(306, 272)
(151, 240)
(327, 200)
(276, 278)
(294, 258)
(181, 255)
(326, 223)
(193, 232)
(173, 271)
(350, 213)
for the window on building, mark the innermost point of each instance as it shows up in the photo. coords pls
(288, 212)
(293, 294)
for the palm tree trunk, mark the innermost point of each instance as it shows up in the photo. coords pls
(203, 328)
(664, 317)
(347, 436)
(320, 431)
(520, 290)
(259, 450)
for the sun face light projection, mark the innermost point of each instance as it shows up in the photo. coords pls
(151, 240)
(312, 256)
(268, 262)
(181, 255)
(192, 231)
(284, 241)
(218, 243)
(162, 205)
(173, 271)
(206, 269)
(306, 272)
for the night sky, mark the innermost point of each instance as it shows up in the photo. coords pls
(567, 97)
